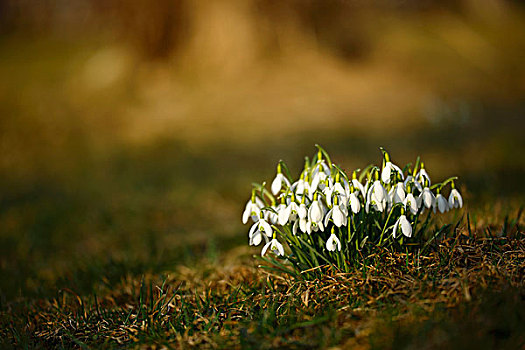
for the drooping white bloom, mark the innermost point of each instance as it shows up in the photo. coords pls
(397, 193)
(315, 216)
(302, 212)
(284, 213)
(405, 226)
(337, 190)
(455, 200)
(354, 203)
(427, 198)
(272, 215)
(441, 204)
(376, 196)
(338, 214)
(333, 243)
(315, 212)
(320, 180)
(411, 204)
(252, 209)
(277, 183)
(422, 175)
(387, 171)
(258, 229)
(359, 186)
(274, 246)
(300, 187)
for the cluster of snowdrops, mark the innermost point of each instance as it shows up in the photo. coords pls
(327, 216)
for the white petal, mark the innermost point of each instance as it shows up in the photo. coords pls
(385, 173)
(246, 214)
(253, 229)
(338, 216)
(394, 232)
(315, 213)
(294, 228)
(276, 183)
(405, 226)
(265, 248)
(284, 215)
(256, 238)
(354, 203)
(327, 217)
(303, 225)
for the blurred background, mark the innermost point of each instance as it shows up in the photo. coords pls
(130, 131)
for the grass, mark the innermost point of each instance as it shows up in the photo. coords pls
(465, 283)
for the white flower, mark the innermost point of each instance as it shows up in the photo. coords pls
(302, 212)
(397, 193)
(338, 215)
(320, 180)
(427, 197)
(411, 204)
(455, 200)
(354, 203)
(258, 229)
(284, 214)
(272, 215)
(274, 246)
(387, 171)
(278, 182)
(300, 187)
(406, 229)
(376, 196)
(315, 212)
(441, 204)
(359, 186)
(333, 243)
(252, 209)
(422, 175)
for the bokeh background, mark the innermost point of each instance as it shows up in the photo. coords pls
(130, 131)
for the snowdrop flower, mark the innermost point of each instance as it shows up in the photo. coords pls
(284, 212)
(258, 229)
(338, 214)
(405, 226)
(278, 181)
(427, 198)
(411, 204)
(357, 184)
(333, 243)
(272, 215)
(441, 204)
(252, 209)
(388, 168)
(455, 200)
(315, 214)
(397, 193)
(354, 203)
(274, 246)
(422, 175)
(377, 196)
(320, 180)
(302, 212)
